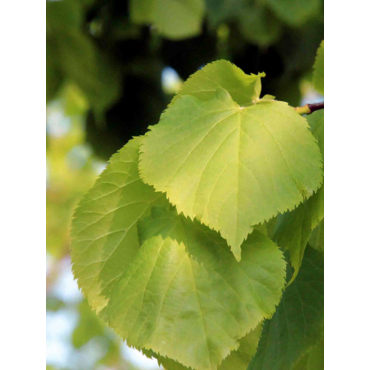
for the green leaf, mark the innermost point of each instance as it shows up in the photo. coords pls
(194, 286)
(294, 12)
(232, 167)
(317, 237)
(244, 89)
(165, 362)
(173, 19)
(104, 232)
(185, 297)
(313, 360)
(74, 55)
(295, 227)
(259, 25)
(256, 22)
(297, 324)
(219, 11)
(318, 73)
(316, 122)
(142, 11)
(237, 360)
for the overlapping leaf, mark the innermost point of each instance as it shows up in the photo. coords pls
(294, 12)
(313, 360)
(183, 282)
(174, 19)
(104, 228)
(230, 166)
(295, 227)
(317, 237)
(71, 54)
(318, 73)
(184, 295)
(297, 324)
(219, 11)
(259, 25)
(244, 89)
(237, 360)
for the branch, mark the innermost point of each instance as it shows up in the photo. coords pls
(309, 108)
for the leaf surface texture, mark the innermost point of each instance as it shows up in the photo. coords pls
(174, 287)
(231, 167)
(104, 228)
(184, 295)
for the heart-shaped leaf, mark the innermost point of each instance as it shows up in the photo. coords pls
(232, 167)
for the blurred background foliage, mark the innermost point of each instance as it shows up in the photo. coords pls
(112, 68)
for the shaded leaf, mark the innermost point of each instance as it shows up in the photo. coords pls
(297, 324)
(219, 11)
(173, 19)
(239, 360)
(75, 55)
(259, 25)
(294, 12)
(318, 73)
(313, 360)
(317, 237)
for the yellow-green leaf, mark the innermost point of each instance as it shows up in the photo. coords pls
(185, 297)
(231, 166)
(104, 227)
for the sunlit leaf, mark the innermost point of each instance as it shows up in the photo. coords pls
(231, 166)
(184, 295)
(104, 227)
(237, 360)
(244, 89)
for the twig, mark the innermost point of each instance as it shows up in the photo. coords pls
(309, 108)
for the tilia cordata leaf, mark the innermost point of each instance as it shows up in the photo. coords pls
(164, 282)
(298, 323)
(294, 228)
(104, 233)
(226, 157)
(237, 360)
